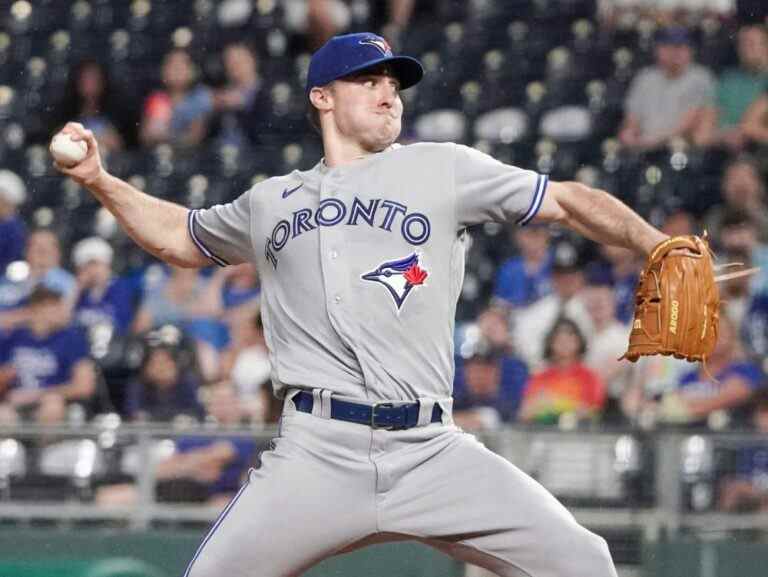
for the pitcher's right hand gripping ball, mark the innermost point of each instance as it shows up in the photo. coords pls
(88, 169)
(677, 303)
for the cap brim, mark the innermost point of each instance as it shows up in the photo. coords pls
(407, 70)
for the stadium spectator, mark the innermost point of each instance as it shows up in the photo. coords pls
(725, 385)
(612, 11)
(742, 189)
(754, 331)
(738, 88)
(565, 385)
(491, 391)
(91, 99)
(43, 257)
(177, 114)
(103, 299)
(746, 489)
(203, 468)
(669, 99)
(489, 378)
(234, 292)
(739, 243)
(321, 19)
(755, 123)
(679, 223)
(399, 14)
(608, 342)
(526, 278)
(532, 323)
(45, 364)
(623, 268)
(245, 362)
(167, 385)
(240, 102)
(184, 297)
(649, 379)
(13, 231)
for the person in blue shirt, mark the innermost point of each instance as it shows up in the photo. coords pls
(167, 385)
(623, 269)
(45, 364)
(179, 113)
(228, 457)
(43, 256)
(725, 385)
(746, 489)
(490, 379)
(103, 299)
(13, 232)
(203, 468)
(526, 278)
(233, 292)
(754, 329)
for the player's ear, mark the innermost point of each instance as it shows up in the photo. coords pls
(321, 98)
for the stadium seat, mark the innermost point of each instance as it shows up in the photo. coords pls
(13, 464)
(507, 125)
(132, 461)
(441, 126)
(577, 470)
(698, 470)
(72, 465)
(566, 124)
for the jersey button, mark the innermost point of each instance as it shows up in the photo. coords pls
(337, 299)
(334, 254)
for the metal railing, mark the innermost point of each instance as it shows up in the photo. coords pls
(653, 482)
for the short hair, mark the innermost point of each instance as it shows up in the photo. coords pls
(43, 294)
(313, 116)
(736, 217)
(561, 323)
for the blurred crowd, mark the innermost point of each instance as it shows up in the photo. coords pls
(84, 332)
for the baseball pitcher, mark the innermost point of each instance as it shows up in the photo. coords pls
(362, 260)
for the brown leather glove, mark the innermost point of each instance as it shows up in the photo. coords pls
(677, 303)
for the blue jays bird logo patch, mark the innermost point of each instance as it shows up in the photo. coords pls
(399, 277)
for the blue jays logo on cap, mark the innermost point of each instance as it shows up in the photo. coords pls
(350, 53)
(399, 277)
(379, 43)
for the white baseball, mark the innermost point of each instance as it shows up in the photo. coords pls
(66, 151)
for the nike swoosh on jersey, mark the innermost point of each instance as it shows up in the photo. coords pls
(288, 192)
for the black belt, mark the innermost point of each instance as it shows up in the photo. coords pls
(377, 416)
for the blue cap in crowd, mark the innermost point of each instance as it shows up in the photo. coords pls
(350, 53)
(673, 35)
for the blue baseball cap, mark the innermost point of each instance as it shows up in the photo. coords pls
(350, 53)
(676, 35)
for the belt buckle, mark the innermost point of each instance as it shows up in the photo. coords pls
(373, 424)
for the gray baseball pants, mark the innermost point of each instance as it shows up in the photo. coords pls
(329, 487)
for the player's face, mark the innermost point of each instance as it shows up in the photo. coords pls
(367, 109)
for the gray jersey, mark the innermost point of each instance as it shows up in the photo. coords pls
(362, 265)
